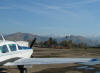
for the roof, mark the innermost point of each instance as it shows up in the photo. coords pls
(6, 42)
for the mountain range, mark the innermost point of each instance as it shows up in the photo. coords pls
(28, 36)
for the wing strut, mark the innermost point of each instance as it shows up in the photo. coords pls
(2, 37)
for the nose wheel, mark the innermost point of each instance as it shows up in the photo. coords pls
(22, 69)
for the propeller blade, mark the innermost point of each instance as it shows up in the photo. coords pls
(32, 43)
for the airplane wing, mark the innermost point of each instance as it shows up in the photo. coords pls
(30, 61)
(92, 62)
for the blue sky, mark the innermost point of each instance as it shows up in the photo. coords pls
(50, 17)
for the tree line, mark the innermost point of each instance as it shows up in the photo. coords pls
(53, 43)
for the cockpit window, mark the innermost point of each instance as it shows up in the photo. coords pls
(12, 47)
(19, 47)
(4, 49)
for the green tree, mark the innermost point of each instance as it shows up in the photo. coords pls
(70, 44)
(81, 45)
(50, 43)
(64, 43)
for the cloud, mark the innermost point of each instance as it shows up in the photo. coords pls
(53, 9)
(80, 3)
(86, 1)
(5, 8)
(42, 8)
(65, 6)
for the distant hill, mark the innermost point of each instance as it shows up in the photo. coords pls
(23, 37)
(27, 36)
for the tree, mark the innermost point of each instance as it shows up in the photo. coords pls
(41, 44)
(50, 43)
(70, 44)
(81, 45)
(64, 43)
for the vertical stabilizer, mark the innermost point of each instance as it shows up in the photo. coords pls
(2, 37)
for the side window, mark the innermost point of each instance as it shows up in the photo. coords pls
(4, 49)
(12, 47)
(19, 47)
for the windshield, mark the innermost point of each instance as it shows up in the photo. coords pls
(3, 49)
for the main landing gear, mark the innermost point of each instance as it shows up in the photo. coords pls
(22, 69)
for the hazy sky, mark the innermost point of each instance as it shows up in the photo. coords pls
(47, 17)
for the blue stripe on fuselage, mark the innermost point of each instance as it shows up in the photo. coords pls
(94, 59)
(25, 48)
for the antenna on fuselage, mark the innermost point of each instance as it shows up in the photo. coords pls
(2, 37)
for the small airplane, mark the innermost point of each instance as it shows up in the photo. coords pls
(11, 54)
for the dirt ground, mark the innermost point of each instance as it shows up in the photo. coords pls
(60, 68)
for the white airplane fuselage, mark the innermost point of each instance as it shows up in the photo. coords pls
(23, 53)
(13, 54)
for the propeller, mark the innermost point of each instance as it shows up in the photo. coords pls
(32, 43)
